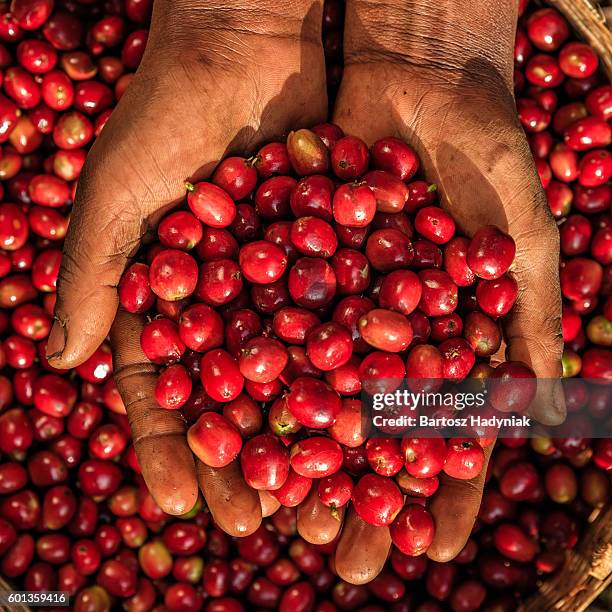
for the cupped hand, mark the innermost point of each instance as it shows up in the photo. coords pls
(210, 83)
(461, 120)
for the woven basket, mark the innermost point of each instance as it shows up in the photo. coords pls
(5, 586)
(587, 570)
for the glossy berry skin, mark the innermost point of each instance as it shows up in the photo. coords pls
(262, 359)
(292, 325)
(457, 358)
(352, 271)
(201, 328)
(496, 297)
(329, 346)
(316, 457)
(381, 372)
(580, 277)
(413, 530)
(391, 193)
(335, 491)
(543, 71)
(272, 159)
(180, 230)
(384, 456)
(214, 440)
(210, 204)
(294, 490)
(599, 102)
(312, 282)
(354, 205)
(482, 333)
(236, 176)
(377, 500)
(31, 15)
(491, 253)
(587, 133)
(314, 237)
(439, 294)
(173, 387)
(345, 379)
(273, 196)
(349, 158)
(221, 376)
(578, 60)
(265, 462)
(160, 341)
(547, 29)
(307, 153)
(434, 224)
(394, 156)
(386, 330)
(219, 282)
(513, 387)
(575, 235)
(424, 456)
(400, 291)
(173, 275)
(464, 459)
(262, 262)
(512, 542)
(134, 290)
(389, 249)
(247, 223)
(595, 168)
(313, 403)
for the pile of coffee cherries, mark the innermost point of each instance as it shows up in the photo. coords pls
(75, 514)
(296, 279)
(565, 110)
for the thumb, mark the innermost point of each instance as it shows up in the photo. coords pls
(100, 238)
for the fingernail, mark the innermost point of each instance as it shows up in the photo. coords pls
(56, 342)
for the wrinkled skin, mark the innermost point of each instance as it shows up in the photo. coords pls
(186, 110)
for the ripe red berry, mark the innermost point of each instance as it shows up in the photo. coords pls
(354, 205)
(313, 403)
(210, 204)
(335, 491)
(464, 459)
(262, 262)
(413, 530)
(491, 253)
(214, 440)
(377, 500)
(316, 457)
(265, 462)
(395, 156)
(349, 158)
(173, 387)
(434, 224)
(173, 275)
(424, 456)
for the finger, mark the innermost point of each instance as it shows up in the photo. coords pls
(533, 326)
(362, 550)
(269, 503)
(454, 508)
(89, 273)
(159, 435)
(234, 505)
(317, 523)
